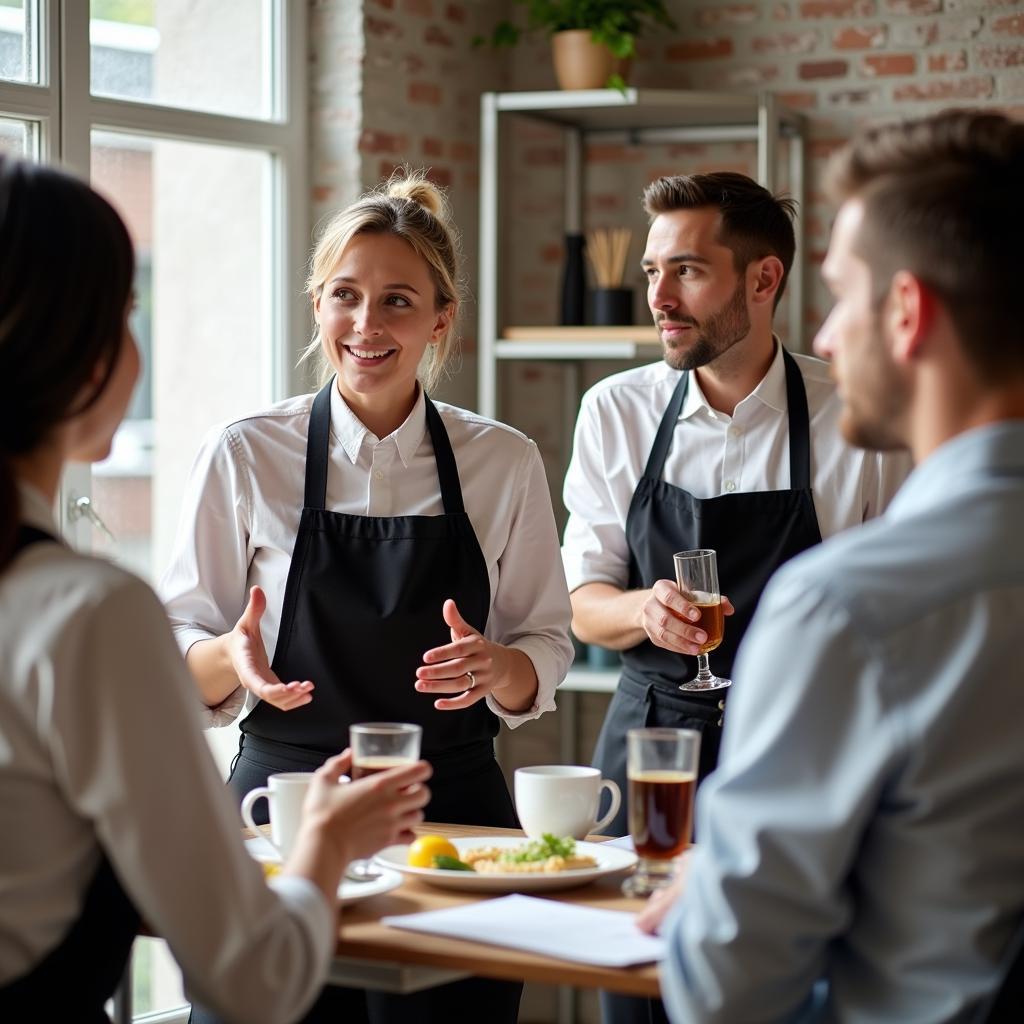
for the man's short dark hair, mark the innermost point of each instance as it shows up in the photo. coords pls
(755, 223)
(944, 199)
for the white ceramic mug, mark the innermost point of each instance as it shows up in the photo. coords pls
(562, 799)
(285, 793)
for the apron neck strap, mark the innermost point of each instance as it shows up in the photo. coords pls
(318, 443)
(799, 427)
(667, 427)
(447, 470)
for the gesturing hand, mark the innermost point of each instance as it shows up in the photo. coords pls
(249, 659)
(470, 665)
(667, 619)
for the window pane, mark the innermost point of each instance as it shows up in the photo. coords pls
(200, 218)
(208, 55)
(18, 138)
(19, 22)
(156, 978)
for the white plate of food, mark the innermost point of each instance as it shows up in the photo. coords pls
(595, 861)
(348, 891)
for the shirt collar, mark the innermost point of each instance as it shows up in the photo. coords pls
(34, 509)
(350, 431)
(770, 391)
(959, 465)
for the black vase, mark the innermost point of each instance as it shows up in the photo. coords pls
(611, 307)
(573, 281)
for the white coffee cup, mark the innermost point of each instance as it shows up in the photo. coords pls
(285, 793)
(562, 799)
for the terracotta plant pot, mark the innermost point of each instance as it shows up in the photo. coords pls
(580, 63)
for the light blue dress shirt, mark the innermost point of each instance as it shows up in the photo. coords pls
(866, 823)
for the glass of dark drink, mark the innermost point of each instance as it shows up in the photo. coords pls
(697, 579)
(376, 747)
(661, 769)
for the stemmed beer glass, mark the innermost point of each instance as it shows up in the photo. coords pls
(697, 579)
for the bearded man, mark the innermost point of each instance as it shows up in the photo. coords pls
(730, 443)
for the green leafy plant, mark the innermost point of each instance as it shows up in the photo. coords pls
(612, 23)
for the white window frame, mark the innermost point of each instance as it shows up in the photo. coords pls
(66, 113)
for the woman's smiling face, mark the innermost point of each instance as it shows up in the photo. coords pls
(377, 314)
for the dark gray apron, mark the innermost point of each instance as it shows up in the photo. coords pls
(74, 980)
(753, 533)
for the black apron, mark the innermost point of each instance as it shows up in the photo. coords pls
(753, 533)
(362, 604)
(74, 980)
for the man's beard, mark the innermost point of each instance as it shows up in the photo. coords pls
(717, 334)
(874, 405)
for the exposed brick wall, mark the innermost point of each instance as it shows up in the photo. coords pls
(397, 82)
(840, 62)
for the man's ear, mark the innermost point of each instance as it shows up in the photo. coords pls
(907, 315)
(767, 279)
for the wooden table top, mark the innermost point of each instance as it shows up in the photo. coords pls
(363, 937)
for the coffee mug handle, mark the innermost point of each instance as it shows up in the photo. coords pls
(249, 799)
(613, 792)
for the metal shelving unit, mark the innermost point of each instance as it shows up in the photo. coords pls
(637, 116)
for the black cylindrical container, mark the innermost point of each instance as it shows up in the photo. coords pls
(611, 307)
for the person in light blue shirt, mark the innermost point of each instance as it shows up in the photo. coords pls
(861, 853)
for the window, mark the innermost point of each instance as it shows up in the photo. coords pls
(189, 115)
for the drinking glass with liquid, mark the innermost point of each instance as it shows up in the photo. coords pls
(661, 770)
(697, 579)
(376, 747)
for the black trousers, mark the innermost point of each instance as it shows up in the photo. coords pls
(468, 788)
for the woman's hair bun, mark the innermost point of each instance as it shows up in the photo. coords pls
(416, 187)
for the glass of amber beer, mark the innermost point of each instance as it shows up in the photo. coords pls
(376, 747)
(697, 579)
(661, 768)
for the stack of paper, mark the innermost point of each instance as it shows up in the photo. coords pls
(608, 938)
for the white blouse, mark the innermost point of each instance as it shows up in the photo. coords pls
(711, 454)
(101, 746)
(241, 509)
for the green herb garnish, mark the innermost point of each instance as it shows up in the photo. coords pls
(540, 849)
(447, 863)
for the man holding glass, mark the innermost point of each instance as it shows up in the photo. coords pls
(730, 444)
(864, 830)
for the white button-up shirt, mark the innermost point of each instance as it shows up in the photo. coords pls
(241, 508)
(711, 454)
(101, 750)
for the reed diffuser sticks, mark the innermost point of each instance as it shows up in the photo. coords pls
(607, 249)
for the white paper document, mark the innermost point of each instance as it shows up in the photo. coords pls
(608, 938)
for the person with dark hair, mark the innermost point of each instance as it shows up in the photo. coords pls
(368, 554)
(731, 443)
(97, 833)
(863, 838)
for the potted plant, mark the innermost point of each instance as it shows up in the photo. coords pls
(592, 41)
